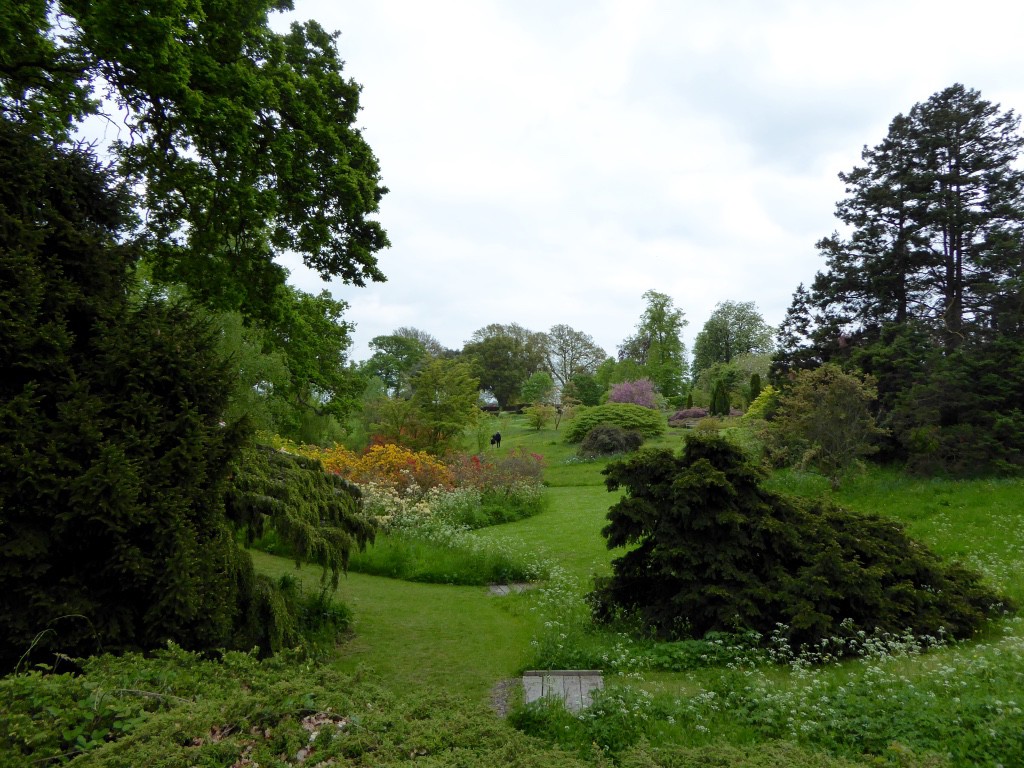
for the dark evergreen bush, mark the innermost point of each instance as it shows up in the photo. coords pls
(719, 400)
(713, 550)
(114, 461)
(755, 386)
(608, 440)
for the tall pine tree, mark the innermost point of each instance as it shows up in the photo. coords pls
(932, 266)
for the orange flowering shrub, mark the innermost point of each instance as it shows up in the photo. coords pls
(387, 465)
(400, 467)
(472, 491)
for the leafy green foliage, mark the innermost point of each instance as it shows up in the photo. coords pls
(765, 404)
(538, 389)
(540, 415)
(571, 353)
(824, 421)
(734, 328)
(243, 141)
(657, 346)
(504, 357)
(712, 550)
(647, 422)
(321, 390)
(608, 440)
(585, 388)
(445, 400)
(442, 405)
(394, 361)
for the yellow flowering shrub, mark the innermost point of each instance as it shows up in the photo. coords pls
(400, 467)
(383, 465)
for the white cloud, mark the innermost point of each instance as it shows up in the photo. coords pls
(550, 162)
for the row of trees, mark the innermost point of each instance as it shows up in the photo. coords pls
(517, 365)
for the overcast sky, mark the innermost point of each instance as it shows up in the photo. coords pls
(550, 161)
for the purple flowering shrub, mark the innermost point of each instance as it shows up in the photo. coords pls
(639, 392)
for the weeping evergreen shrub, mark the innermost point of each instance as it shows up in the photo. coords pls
(316, 516)
(712, 550)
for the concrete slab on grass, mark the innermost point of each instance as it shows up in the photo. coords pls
(500, 590)
(574, 687)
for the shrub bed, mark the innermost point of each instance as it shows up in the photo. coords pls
(609, 440)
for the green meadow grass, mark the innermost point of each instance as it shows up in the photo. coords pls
(449, 557)
(425, 636)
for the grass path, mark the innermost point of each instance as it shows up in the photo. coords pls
(424, 635)
(568, 532)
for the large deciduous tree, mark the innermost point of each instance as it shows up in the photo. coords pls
(433, 347)
(240, 141)
(657, 346)
(571, 353)
(735, 328)
(504, 357)
(445, 394)
(395, 360)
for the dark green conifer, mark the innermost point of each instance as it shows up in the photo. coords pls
(114, 461)
(711, 550)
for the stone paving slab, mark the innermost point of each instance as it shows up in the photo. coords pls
(501, 590)
(574, 687)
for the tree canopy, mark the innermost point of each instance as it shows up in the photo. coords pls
(504, 357)
(240, 141)
(571, 353)
(927, 284)
(657, 346)
(735, 328)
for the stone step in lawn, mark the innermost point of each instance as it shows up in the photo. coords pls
(572, 686)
